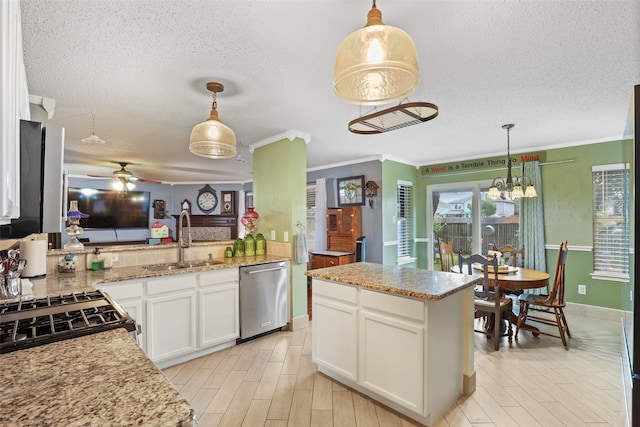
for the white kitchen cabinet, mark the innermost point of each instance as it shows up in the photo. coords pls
(218, 307)
(335, 327)
(182, 316)
(171, 316)
(14, 105)
(391, 348)
(128, 294)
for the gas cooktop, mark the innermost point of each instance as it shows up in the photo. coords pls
(25, 324)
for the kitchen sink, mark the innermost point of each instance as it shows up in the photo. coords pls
(180, 265)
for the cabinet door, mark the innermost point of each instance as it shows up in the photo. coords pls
(134, 309)
(171, 325)
(219, 314)
(128, 295)
(332, 221)
(319, 261)
(335, 335)
(391, 359)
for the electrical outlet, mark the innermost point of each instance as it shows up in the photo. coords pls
(273, 234)
(582, 289)
(286, 236)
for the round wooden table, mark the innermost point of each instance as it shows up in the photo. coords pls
(523, 278)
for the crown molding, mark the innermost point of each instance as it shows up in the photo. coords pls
(290, 135)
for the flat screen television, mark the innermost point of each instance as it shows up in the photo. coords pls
(111, 208)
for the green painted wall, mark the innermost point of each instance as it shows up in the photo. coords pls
(279, 196)
(391, 173)
(567, 199)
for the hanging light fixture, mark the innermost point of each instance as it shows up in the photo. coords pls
(511, 188)
(212, 138)
(93, 138)
(377, 64)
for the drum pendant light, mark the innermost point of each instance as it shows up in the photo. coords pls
(212, 138)
(377, 64)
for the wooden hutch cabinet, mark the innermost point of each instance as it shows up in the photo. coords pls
(344, 226)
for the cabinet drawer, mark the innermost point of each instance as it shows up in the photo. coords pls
(399, 306)
(178, 282)
(225, 275)
(335, 291)
(122, 290)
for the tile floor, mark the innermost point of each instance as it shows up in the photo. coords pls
(271, 382)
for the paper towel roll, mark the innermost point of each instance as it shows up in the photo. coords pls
(35, 252)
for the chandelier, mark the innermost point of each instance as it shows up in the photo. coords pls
(377, 64)
(511, 188)
(212, 138)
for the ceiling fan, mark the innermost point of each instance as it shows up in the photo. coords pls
(124, 180)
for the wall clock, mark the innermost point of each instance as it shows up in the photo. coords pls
(228, 203)
(185, 205)
(207, 199)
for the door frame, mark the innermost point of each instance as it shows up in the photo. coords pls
(476, 232)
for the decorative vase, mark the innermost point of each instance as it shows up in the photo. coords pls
(238, 247)
(249, 245)
(249, 219)
(261, 244)
(74, 229)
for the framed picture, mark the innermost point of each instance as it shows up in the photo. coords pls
(351, 191)
(228, 203)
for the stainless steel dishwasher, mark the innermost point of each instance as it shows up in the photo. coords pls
(263, 298)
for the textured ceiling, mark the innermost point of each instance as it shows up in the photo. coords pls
(562, 71)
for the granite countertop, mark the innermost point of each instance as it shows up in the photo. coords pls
(331, 253)
(411, 282)
(59, 384)
(80, 281)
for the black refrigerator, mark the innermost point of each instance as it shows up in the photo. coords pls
(631, 310)
(42, 181)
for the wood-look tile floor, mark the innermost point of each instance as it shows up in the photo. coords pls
(271, 382)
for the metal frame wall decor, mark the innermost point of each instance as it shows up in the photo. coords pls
(351, 191)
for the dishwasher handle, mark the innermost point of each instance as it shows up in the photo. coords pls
(265, 270)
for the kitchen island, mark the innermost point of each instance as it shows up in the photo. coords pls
(402, 336)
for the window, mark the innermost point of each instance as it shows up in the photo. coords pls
(405, 223)
(611, 221)
(311, 216)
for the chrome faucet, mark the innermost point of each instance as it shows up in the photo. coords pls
(183, 241)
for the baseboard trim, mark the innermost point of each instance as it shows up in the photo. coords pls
(593, 311)
(468, 384)
(300, 322)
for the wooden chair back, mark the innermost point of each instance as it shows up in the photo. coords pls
(446, 255)
(487, 300)
(556, 296)
(512, 258)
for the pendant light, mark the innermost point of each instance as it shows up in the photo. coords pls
(511, 188)
(212, 138)
(377, 64)
(93, 138)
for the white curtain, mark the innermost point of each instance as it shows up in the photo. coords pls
(532, 224)
(241, 210)
(321, 215)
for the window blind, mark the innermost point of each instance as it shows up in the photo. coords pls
(611, 218)
(405, 228)
(311, 215)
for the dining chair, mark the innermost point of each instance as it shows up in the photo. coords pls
(446, 255)
(487, 299)
(554, 301)
(510, 255)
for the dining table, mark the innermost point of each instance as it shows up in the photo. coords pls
(514, 279)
